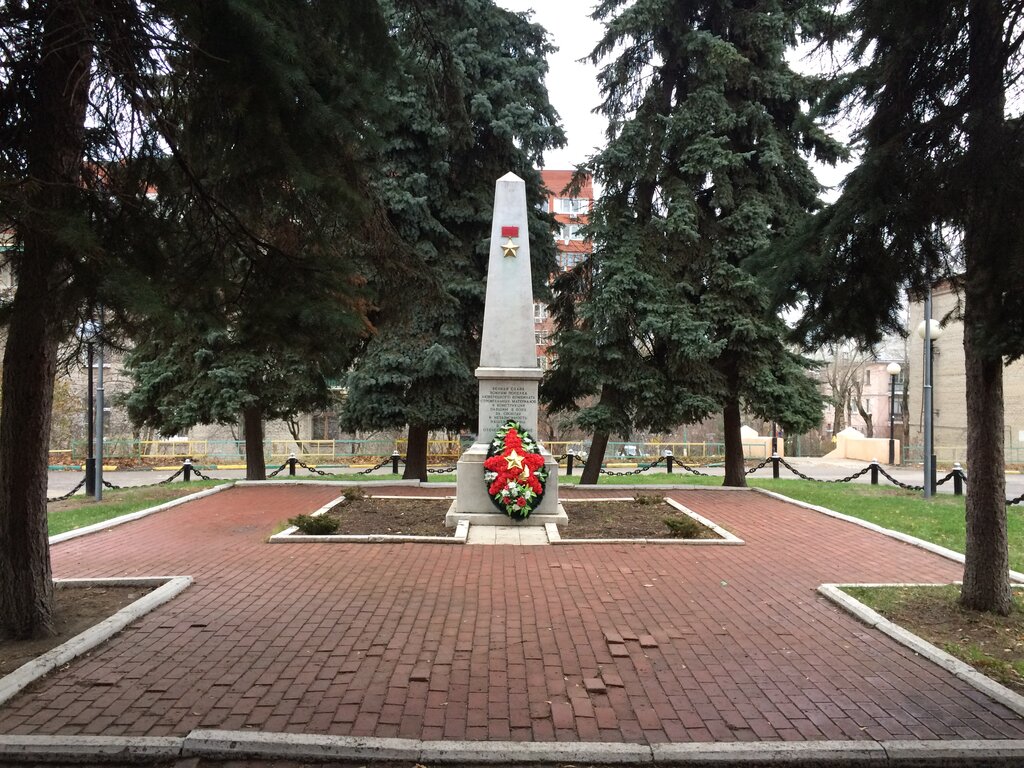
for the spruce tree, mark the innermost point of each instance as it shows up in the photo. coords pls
(706, 166)
(86, 120)
(472, 106)
(936, 195)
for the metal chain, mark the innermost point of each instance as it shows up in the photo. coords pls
(636, 471)
(693, 471)
(894, 481)
(69, 494)
(172, 477)
(112, 486)
(197, 473)
(374, 469)
(304, 465)
(943, 480)
(846, 479)
(277, 471)
(442, 471)
(1018, 500)
(759, 466)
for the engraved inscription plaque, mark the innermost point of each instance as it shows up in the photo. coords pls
(507, 399)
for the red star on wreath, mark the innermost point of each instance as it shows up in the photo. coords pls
(514, 465)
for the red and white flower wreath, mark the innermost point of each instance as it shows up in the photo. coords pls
(514, 471)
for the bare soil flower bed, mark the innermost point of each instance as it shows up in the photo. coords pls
(626, 519)
(77, 609)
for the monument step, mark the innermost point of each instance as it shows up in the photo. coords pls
(507, 534)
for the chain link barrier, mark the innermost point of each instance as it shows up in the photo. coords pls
(894, 481)
(763, 464)
(172, 477)
(1018, 500)
(637, 471)
(442, 471)
(69, 494)
(277, 471)
(374, 469)
(111, 486)
(847, 479)
(306, 466)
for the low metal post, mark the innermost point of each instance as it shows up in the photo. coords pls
(569, 456)
(874, 471)
(187, 467)
(958, 480)
(776, 460)
(394, 462)
(668, 461)
(292, 461)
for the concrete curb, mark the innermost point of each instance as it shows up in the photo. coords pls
(254, 745)
(101, 526)
(920, 646)
(31, 671)
(77, 749)
(906, 538)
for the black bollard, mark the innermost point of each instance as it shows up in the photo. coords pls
(668, 461)
(394, 462)
(958, 480)
(187, 466)
(776, 460)
(292, 461)
(568, 462)
(874, 471)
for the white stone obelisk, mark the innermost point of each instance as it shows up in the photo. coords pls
(508, 372)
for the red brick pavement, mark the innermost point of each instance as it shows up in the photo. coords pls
(592, 642)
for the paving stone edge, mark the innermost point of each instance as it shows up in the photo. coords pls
(31, 671)
(837, 594)
(240, 745)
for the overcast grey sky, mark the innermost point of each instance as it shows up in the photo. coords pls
(572, 86)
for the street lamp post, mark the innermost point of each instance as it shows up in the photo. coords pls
(893, 369)
(929, 330)
(87, 332)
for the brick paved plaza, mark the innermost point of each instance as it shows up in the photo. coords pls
(617, 643)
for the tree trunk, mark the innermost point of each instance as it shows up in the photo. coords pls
(55, 125)
(252, 425)
(592, 469)
(735, 470)
(986, 580)
(416, 454)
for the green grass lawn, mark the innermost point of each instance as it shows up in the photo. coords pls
(80, 511)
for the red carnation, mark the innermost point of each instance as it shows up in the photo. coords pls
(521, 501)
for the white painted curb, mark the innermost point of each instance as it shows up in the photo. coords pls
(101, 526)
(919, 645)
(75, 749)
(90, 638)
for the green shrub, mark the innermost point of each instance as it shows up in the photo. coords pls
(321, 525)
(355, 493)
(647, 500)
(683, 527)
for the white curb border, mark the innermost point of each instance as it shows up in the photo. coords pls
(103, 525)
(727, 538)
(287, 536)
(920, 646)
(256, 745)
(167, 587)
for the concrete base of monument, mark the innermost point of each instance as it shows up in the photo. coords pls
(472, 502)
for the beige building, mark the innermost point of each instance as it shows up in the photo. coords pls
(949, 385)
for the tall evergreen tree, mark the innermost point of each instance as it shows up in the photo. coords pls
(272, 302)
(84, 128)
(942, 155)
(705, 166)
(472, 107)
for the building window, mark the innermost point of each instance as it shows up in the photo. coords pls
(542, 338)
(867, 377)
(542, 362)
(569, 232)
(572, 205)
(540, 312)
(569, 260)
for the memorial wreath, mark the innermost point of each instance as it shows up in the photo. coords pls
(514, 471)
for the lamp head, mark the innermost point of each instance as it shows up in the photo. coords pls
(88, 331)
(893, 369)
(934, 327)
